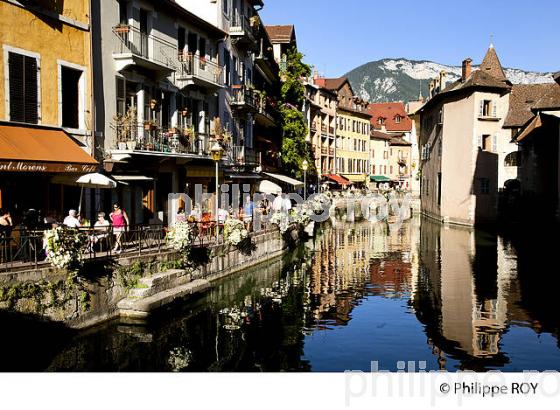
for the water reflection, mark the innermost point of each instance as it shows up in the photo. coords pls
(454, 298)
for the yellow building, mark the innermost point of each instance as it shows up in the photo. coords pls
(45, 100)
(352, 131)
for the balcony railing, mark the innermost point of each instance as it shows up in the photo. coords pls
(147, 47)
(324, 150)
(241, 155)
(199, 70)
(331, 130)
(331, 151)
(241, 26)
(242, 96)
(324, 128)
(151, 138)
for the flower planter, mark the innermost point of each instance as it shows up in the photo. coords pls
(131, 145)
(122, 146)
(122, 29)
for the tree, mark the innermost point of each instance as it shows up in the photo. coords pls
(294, 126)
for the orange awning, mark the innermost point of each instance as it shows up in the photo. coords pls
(36, 149)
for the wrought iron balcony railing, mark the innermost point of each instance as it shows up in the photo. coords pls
(199, 70)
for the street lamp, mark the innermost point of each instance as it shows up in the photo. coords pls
(216, 153)
(304, 166)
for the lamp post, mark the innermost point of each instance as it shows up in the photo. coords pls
(216, 152)
(304, 166)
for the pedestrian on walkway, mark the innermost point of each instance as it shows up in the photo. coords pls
(119, 218)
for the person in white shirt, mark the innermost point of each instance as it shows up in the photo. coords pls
(101, 230)
(71, 221)
(277, 203)
(286, 203)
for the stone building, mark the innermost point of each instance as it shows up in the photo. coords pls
(463, 144)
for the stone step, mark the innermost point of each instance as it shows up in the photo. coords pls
(160, 282)
(140, 308)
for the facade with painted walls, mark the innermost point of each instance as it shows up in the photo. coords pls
(156, 85)
(45, 95)
(379, 160)
(320, 110)
(463, 144)
(352, 130)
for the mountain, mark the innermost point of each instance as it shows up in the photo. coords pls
(400, 79)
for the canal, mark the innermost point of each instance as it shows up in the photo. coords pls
(444, 298)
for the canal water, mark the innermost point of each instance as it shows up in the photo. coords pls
(359, 295)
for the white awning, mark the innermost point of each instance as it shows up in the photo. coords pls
(287, 180)
(269, 187)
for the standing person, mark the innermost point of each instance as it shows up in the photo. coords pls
(71, 221)
(119, 218)
(286, 203)
(248, 209)
(6, 223)
(277, 203)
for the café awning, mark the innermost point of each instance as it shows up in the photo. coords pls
(338, 179)
(41, 150)
(379, 178)
(287, 180)
(355, 177)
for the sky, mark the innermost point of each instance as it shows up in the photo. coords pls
(337, 36)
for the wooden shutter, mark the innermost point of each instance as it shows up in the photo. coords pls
(494, 109)
(23, 88)
(481, 109)
(480, 142)
(495, 143)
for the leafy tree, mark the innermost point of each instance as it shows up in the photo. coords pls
(294, 125)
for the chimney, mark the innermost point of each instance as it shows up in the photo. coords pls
(442, 75)
(431, 93)
(466, 69)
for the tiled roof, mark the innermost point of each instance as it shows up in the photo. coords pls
(380, 135)
(398, 141)
(281, 34)
(333, 84)
(550, 100)
(389, 111)
(491, 65)
(522, 99)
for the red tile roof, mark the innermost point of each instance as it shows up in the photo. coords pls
(389, 112)
(333, 84)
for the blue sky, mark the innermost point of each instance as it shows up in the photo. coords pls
(337, 36)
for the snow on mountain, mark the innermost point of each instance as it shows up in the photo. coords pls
(401, 79)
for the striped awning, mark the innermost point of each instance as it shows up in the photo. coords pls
(355, 177)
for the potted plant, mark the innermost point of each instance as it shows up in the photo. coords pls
(149, 125)
(254, 21)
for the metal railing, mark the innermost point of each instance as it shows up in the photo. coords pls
(147, 46)
(324, 150)
(150, 137)
(241, 155)
(241, 95)
(23, 249)
(196, 67)
(240, 26)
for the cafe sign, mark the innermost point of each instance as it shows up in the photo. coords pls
(45, 167)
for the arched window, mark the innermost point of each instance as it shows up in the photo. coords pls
(512, 159)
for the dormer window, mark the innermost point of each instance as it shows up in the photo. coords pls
(398, 119)
(381, 121)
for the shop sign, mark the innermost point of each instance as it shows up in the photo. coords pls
(45, 167)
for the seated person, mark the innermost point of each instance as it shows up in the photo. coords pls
(71, 221)
(6, 223)
(101, 230)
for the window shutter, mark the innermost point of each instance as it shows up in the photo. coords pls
(480, 142)
(495, 143)
(23, 88)
(17, 103)
(481, 109)
(494, 109)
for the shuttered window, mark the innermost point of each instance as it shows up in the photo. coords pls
(24, 100)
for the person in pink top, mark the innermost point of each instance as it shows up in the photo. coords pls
(119, 218)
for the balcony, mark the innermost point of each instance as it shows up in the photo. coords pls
(331, 151)
(242, 30)
(149, 139)
(195, 70)
(313, 127)
(265, 109)
(135, 48)
(242, 156)
(324, 150)
(242, 98)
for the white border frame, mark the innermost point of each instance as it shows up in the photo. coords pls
(82, 92)
(10, 49)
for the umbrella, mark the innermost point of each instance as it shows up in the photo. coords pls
(94, 180)
(268, 187)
